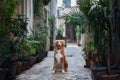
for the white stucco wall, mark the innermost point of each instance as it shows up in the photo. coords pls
(59, 3)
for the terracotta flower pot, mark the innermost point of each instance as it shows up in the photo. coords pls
(88, 63)
(79, 44)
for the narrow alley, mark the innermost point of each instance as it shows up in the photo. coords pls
(43, 70)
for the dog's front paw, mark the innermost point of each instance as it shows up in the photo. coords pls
(53, 71)
(63, 71)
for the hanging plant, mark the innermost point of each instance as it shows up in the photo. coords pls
(38, 4)
(45, 2)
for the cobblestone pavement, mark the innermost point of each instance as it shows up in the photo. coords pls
(43, 70)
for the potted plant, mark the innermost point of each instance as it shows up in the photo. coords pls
(5, 35)
(41, 36)
(78, 35)
(102, 28)
(3, 68)
(59, 33)
(89, 52)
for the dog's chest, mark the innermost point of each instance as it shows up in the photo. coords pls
(58, 56)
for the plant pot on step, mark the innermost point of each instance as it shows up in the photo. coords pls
(78, 43)
(51, 47)
(87, 63)
(24, 65)
(32, 60)
(96, 70)
(3, 73)
(115, 75)
(45, 53)
(12, 68)
(19, 68)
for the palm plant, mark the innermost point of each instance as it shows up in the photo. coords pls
(76, 18)
(115, 31)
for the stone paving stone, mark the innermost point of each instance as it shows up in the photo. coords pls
(43, 70)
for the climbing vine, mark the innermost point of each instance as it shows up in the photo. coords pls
(38, 4)
(7, 10)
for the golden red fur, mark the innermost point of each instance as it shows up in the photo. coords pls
(60, 54)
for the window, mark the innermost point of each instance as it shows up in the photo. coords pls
(58, 13)
(67, 3)
(77, 2)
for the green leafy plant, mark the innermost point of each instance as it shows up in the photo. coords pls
(102, 28)
(59, 33)
(39, 4)
(7, 10)
(75, 17)
(40, 35)
(88, 50)
(33, 45)
(78, 34)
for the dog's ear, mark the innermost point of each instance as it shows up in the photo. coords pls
(63, 42)
(55, 43)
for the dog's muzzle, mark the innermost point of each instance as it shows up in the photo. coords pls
(59, 45)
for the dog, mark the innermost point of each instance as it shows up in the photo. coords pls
(60, 62)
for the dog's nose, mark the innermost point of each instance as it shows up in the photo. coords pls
(58, 44)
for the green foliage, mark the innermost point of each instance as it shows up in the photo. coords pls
(75, 17)
(33, 45)
(38, 4)
(103, 27)
(59, 33)
(78, 33)
(89, 50)
(50, 18)
(7, 10)
(97, 13)
(40, 35)
(84, 6)
(12, 42)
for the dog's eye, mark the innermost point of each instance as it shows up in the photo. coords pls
(56, 43)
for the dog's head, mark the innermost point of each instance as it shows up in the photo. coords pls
(59, 44)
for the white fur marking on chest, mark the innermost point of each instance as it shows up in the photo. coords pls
(58, 56)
